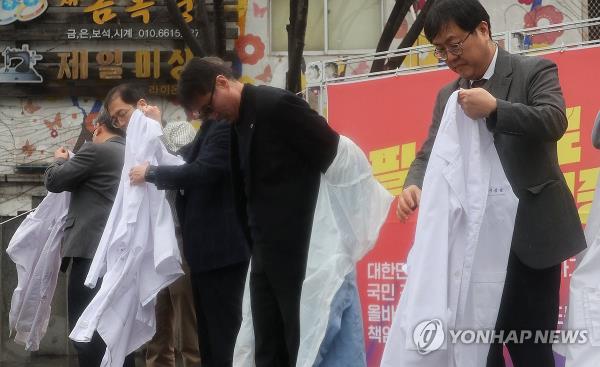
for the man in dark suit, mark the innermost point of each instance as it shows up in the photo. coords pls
(92, 176)
(213, 241)
(280, 147)
(522, 103)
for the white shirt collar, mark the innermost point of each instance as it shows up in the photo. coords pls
(490, 70)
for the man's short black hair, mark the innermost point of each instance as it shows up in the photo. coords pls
(130, 93)
(198, 77)
(467, 14)
(108, 122)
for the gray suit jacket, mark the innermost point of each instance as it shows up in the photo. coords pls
(530, 119)
(92, 177)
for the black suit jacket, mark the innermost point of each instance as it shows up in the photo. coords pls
(530, 119)
(212, 236)
(92, 176)
(287, 147)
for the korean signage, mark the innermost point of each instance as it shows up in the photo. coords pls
(96, 45)
(80, 64)
(101, 11)
(117, 32)
(109, 64)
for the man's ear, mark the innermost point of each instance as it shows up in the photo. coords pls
(484, 28)
(141, 103)
(222, 81)
(97, 131)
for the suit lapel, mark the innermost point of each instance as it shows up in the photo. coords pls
(247, 121)
(248, 117)
(499, 83)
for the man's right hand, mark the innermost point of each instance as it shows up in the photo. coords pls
(61, 153)
(408, 201)
(152, 112)
(137, 174)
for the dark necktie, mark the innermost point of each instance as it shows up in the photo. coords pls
(478, 83)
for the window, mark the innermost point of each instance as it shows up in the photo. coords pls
(594, 12)
(349, 25)
(280, 18)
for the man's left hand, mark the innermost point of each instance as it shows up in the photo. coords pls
(137, 175)
(477, 102)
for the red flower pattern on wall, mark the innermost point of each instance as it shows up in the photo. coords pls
(552, 15)
(250, 49)
(27, 149)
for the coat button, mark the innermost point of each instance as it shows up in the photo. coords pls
(252, 125)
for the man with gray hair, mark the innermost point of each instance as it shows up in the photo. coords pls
(92, 176)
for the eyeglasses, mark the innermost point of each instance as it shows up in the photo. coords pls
(455, 49)
(208, 109)
(120, 116)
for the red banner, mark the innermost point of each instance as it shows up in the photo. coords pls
(389, 119)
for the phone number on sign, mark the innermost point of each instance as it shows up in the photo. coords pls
(163, 33)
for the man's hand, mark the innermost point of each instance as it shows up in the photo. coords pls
(408, 201)
(477, 102)
(152, 112)
(61, 153)
(137, 175)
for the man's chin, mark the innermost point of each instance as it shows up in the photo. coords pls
(463, 71)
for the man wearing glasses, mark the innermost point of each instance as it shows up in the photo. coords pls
(122, 100)
(279, 149)
(214, 244)
(521, 101)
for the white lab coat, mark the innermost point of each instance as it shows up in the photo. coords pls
(351, 208)
(137, 255)
(35, 249)
(457, 265)
(584, 297)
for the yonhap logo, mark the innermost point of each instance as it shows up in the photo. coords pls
(429, 336)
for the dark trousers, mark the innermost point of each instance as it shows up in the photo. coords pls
(218, 298)
(79, 297)
(275, 299)
(529, 302)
